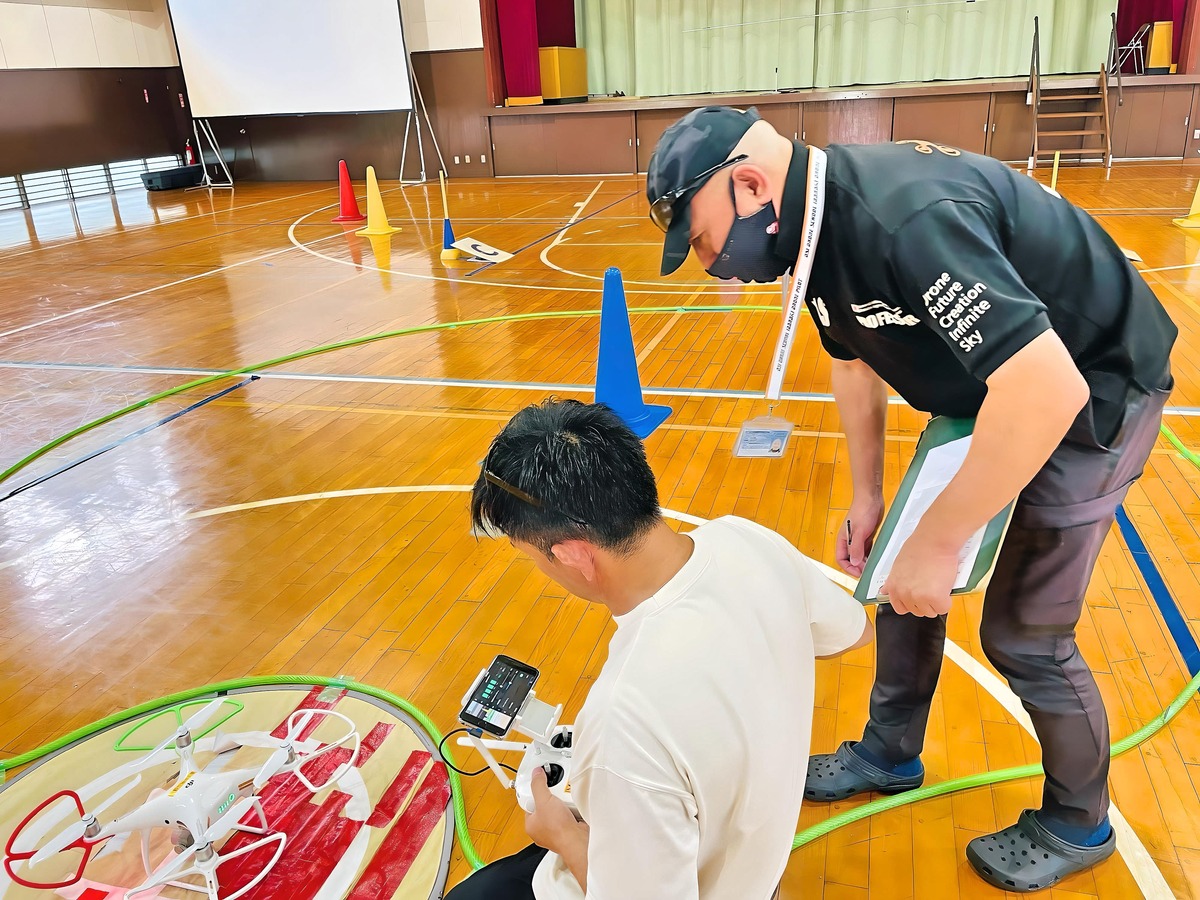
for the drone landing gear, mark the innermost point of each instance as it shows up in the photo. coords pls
(205, 860)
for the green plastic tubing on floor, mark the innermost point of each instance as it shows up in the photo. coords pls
(460, 813)
(464, 838)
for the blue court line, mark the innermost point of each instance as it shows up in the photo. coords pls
(129, 437)
(1176, 624)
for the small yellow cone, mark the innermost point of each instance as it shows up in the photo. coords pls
(1192, 219)
(377, 219)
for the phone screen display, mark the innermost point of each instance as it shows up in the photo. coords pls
(499, 696)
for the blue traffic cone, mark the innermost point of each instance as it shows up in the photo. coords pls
(617, 382)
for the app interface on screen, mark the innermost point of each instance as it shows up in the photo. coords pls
(500, 696)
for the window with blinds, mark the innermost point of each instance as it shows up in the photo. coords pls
(23, 191)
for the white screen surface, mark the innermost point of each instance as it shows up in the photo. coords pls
(264, 57)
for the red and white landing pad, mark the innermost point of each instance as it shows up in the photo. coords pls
(380, 826)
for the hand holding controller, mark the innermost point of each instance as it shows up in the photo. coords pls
(555, 758)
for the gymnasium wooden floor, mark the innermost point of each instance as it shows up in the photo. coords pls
(129, 576)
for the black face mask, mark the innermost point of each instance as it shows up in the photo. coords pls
(749, 251)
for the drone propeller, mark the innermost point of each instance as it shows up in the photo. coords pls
(195, 721)
(77, 831)
(200, 718)
(284, 752)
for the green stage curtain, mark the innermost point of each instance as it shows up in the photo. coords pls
(660, 47)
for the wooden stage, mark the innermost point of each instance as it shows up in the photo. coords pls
(311, 521)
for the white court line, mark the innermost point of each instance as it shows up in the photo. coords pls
(718, 289)
(151, 290)
(544, 256)
(537, 386)
(326, 495)
(1141, 865)
(1170, 268)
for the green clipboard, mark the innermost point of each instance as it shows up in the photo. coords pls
(940, 432)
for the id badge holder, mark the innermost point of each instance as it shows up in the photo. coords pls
(764, 437)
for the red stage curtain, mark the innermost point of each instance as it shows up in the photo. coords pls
(1133, 14)
(519, 47)
(556, 23)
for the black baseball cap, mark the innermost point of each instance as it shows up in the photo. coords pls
(700, 141)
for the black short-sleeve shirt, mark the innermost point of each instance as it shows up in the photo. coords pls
(934, 266)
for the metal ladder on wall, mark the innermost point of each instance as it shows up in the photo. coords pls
(1072, 106)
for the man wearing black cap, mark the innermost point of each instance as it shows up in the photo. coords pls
(973, 292)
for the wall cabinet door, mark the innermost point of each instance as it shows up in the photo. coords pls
(595, 143)
(784, 116)
(847, 122)
(1152, 122)
(1174, 121)
(956, 120)
(1010, 133)
(650, 125)
(523, 145)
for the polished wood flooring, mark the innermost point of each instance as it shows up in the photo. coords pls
(114, 590)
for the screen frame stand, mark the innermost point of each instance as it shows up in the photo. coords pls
(202, 129)
(409, 120)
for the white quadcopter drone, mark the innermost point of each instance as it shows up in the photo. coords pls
(502, 698)
(202, 806)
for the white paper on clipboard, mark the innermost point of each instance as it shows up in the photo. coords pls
(941, 465)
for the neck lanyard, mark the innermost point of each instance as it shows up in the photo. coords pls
(814, 209)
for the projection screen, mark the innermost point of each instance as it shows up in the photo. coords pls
(271, 57)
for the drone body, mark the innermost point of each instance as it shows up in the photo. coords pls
(202, 806)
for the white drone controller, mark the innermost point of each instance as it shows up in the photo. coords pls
(555, 759)
(501, 699)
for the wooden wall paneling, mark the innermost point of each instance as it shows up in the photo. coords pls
(454, 84)
(62, 118)
(649, 125)
(1174, 121)
(866, 121)
(958, 120)
(595, 144)
(307, 148)
(1135, 122)
(784, 116)
(1192, 148)
(1010, 131)
(524, 145)
(233, 134)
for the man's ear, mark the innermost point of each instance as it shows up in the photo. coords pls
(577, 555)
(750, 182)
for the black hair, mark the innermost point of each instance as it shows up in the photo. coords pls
(570, 471)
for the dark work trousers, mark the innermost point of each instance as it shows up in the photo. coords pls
(510, 878)
(1030, 611)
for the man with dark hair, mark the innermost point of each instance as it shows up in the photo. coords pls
(688, 752)
(974, 292)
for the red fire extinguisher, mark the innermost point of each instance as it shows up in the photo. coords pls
(189, 155)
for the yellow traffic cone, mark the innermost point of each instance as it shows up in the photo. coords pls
(1192, 219)
(377, 219)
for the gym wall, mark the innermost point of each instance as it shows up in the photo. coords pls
(86, 83)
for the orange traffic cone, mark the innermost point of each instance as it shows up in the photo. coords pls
(347, 203)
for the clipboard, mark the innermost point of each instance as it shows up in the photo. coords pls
(941, 450)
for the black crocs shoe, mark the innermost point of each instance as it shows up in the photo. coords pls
(836, 776)
(1026, 857)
